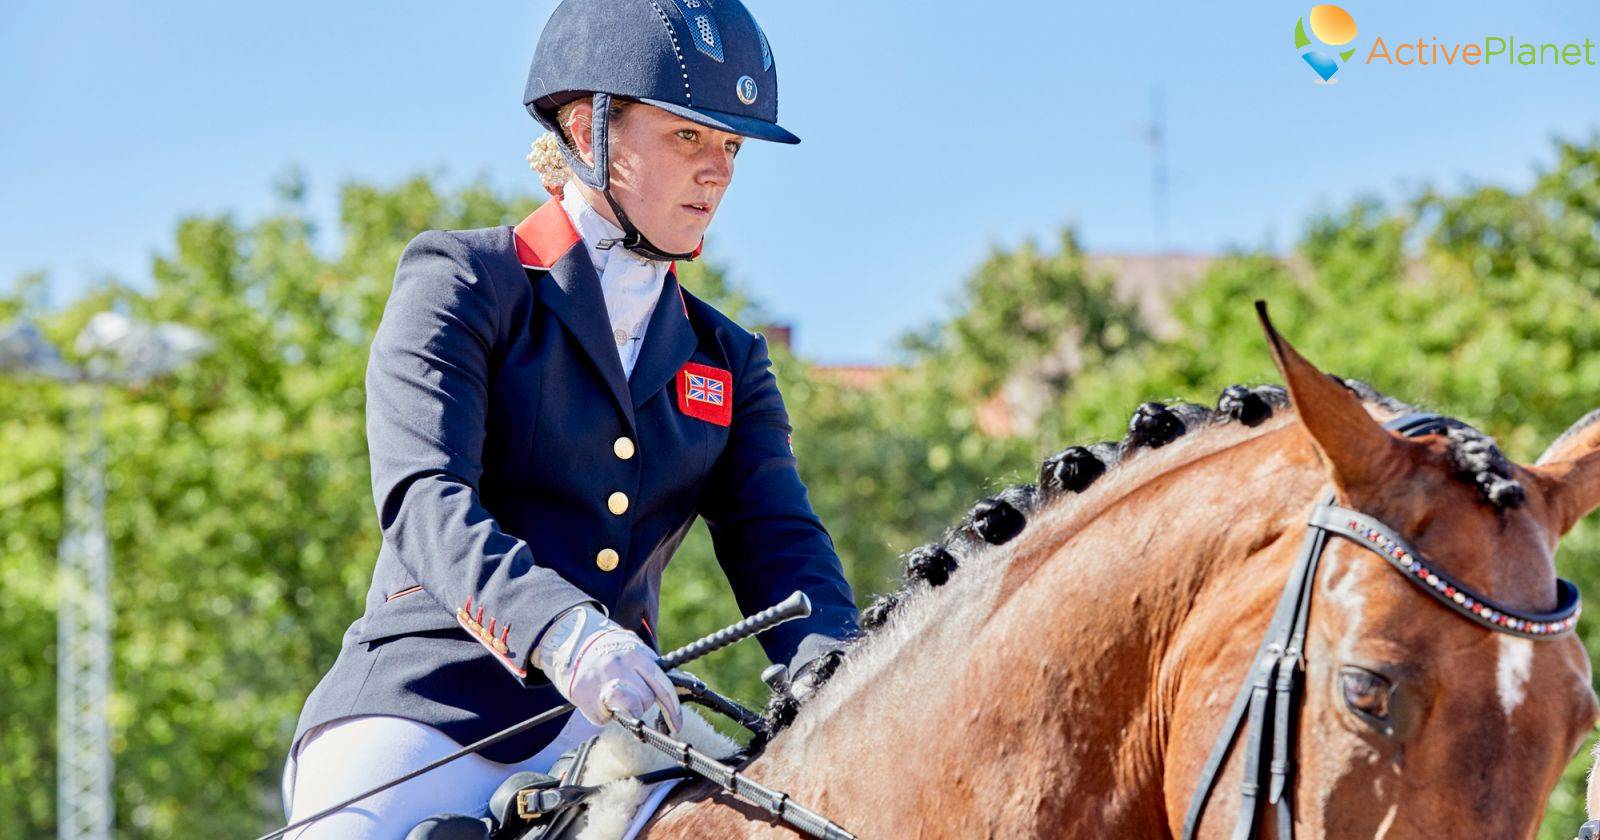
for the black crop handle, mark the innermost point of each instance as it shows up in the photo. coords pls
(790, 608)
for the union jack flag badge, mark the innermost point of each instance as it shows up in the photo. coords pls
(706, 393)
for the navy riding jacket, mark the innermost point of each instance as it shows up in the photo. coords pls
(518, 472)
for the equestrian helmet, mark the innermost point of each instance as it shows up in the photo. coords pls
(704, 60)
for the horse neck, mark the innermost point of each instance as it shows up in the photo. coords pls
(1063, 662)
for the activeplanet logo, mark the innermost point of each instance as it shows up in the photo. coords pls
(1325, 37)
(1494, 50)
(1332, 27)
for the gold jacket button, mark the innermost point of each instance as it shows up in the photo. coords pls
(606, 559)
(623, 447)
(618, 503)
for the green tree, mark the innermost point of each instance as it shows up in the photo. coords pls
(902, 462)
(238, 510)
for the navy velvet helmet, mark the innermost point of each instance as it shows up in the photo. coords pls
(704, 60)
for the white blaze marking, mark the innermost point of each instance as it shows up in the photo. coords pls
(1346, 593)
(1388, 822)
(1511, 673)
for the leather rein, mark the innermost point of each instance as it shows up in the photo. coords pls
(1271, 690)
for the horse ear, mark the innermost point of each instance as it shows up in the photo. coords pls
(1568, 473)
(1359, 452)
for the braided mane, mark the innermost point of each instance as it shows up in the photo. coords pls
(1001, 518)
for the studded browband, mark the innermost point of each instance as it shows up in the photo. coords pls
(1374, 535)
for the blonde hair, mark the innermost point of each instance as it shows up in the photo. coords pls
(545, 159)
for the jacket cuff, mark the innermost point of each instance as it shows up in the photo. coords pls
(511, 643)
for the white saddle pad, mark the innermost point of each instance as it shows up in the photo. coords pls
(622, 807)
(654, 796)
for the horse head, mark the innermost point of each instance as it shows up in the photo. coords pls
(1426, 723)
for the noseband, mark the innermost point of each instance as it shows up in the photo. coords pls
(1279, 664)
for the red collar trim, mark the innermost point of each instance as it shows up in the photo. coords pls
(545, 236)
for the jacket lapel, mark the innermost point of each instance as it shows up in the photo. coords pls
(547, 242)
(669, 341)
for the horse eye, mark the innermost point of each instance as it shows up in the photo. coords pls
(1365, 692)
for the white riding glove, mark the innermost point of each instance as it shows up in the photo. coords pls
(599, 665)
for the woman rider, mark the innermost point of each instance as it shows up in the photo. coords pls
(547, 413)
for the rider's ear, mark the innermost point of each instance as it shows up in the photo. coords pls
(578, 125)
(1360, 454)
(1568, 473)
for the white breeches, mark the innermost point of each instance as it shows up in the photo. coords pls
(341, 758)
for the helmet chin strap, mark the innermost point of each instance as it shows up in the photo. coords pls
(598, 176)
(634, 239)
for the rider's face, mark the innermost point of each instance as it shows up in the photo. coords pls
(669, 174)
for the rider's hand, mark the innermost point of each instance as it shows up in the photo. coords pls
(599, 665)
(809, 677)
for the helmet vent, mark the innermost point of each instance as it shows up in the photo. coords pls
(766, 51)
(703, 25)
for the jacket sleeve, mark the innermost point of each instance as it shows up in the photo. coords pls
(427, 401)
(767, 539)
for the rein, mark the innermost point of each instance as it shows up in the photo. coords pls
(775, 802)
(1278, 669)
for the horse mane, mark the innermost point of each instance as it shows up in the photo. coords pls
(989, 530)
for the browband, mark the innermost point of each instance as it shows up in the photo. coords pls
(1373, 535)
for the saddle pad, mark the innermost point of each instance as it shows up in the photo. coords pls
(621, 808)
(657, 793)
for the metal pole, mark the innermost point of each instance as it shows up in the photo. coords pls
(83, 626)
(118, 351)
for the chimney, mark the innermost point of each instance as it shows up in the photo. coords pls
(779, 334)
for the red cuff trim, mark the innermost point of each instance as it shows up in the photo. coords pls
(500, 647)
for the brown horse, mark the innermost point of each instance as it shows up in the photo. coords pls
(1071, 682)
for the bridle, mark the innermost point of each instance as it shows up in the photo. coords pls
(1271, 689)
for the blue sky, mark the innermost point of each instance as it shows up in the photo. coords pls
(933, 131)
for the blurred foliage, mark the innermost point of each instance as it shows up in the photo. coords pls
(241, 518)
